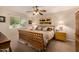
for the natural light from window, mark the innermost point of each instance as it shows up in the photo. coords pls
(17, 22)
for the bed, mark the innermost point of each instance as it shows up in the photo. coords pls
(37, 39)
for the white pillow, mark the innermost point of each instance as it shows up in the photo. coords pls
(39, 28)
(44, 29)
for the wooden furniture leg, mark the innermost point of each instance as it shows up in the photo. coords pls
(10, 50)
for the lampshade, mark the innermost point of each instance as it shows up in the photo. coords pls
(61, 23)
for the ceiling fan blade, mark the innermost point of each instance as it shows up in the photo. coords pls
(29, 11)
(35, 7)
(36, 10)
(40, 13)
(43, 10)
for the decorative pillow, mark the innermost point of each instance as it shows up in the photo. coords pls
(49, 29)
(38, 28)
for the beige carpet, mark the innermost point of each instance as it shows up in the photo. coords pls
(60, 46)
(53, 46)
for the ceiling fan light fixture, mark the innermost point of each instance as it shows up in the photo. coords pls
(35, 13)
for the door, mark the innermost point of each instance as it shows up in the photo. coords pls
(77, 31)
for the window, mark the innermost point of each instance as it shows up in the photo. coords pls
(17, 22)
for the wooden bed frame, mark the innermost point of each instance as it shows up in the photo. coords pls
(33, 38)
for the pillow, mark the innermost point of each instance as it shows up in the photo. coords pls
(44, 29)
(49, 29)
(34, 27)
(38, 28)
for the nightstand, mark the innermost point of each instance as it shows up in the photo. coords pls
(60, 36)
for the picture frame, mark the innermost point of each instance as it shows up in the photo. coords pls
(2, 19)
(30, 21)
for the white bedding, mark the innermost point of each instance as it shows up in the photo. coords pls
(47, 35)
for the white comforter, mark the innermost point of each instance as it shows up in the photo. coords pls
(47, 35)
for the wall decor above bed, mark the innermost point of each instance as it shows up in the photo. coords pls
(45, 21)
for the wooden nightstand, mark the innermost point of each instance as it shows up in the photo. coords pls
(60, 36)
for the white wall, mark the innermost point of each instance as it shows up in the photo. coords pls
(4, 26)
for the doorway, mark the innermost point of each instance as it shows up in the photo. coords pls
(77, 31)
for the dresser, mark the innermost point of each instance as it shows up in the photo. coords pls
(4, 42)
(77, 31)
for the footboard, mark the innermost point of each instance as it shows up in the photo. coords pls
(33, 38)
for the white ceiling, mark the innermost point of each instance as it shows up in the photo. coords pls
(49, 9)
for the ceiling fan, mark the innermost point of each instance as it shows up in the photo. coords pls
(37, 11)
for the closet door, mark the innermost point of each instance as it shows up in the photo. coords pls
(77, 31)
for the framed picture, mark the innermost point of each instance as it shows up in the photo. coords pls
(30, 21)
(2, 19)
